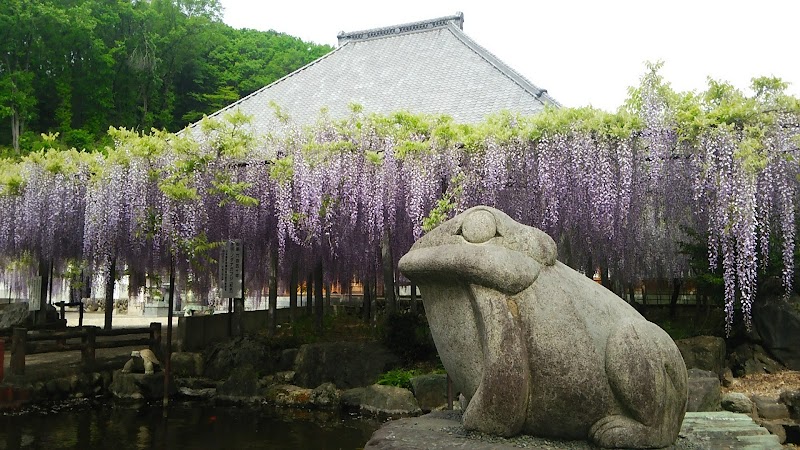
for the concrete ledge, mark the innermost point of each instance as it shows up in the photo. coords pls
(442, 430)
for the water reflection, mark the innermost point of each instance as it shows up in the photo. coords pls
(189, 426)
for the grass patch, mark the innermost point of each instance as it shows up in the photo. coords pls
(398, 378)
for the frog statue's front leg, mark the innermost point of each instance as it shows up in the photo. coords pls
(494, 408)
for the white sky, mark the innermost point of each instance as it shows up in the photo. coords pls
(583, 52)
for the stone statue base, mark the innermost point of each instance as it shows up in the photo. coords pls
(442, 430)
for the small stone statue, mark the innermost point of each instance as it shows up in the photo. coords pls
(148, 360)
(538, 348)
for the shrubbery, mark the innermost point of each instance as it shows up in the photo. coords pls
(408, 336)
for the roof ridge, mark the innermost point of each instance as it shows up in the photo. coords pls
(439, 22)
(515, 76)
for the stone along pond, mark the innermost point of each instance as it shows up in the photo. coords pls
(88, 425)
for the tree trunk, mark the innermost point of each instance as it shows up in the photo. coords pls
(109, 294)
(589, 271)
(44, 272)
(327, 298)
(673, 301)
(388, 274)
(374, 296)
(273, 292)
(309, 286)
(318, 299)
(15, 130)
(605, 279)
(366, 302)
(50, 283)
(86, 290)
(170, 310)
(293, 293)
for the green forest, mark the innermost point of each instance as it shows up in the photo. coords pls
(76, 67)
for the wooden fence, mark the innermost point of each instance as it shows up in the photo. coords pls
(26, 342)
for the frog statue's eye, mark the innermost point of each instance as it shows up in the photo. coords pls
(479, 227)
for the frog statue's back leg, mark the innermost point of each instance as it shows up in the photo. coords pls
(648, 377)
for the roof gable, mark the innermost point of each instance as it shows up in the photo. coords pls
(427, 67)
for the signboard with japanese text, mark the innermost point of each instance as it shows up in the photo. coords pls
(230, 269)
(35, 294)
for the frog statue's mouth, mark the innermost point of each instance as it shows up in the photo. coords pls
(473, 271)
(481, 246)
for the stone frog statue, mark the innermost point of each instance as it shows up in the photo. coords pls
(538, 348)
(148, 360)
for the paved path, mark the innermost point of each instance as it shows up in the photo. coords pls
(118, 320)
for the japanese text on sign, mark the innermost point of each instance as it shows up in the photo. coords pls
(230, 269)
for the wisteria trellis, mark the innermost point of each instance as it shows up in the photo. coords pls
(616, 199)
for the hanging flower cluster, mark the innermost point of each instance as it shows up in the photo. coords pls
(616, 191)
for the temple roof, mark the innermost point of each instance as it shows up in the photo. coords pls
(427, 67)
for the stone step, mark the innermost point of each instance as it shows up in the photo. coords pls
(725, 430)
(442, 430)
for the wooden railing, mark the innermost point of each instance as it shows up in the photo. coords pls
(61, 305)
(25, 342)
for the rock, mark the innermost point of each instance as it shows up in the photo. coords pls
(58, 388)
(737, 402)
(325, 396)
(792, 401)
(749, 359)
(703, 352)
(704, 391)
(14, 315)
(778, 323)
(285, 377)
(770, 408)
(345, 364)
(288, 395)
(202, 393)
(83, 385)
(534, 345)
(241, 385)
(774, 428)
(51, 315)
(352, 398)
(389, 401)
(287, 359)
(199, 388)
(430, 390)
(186, 364)
(726, 377)
(121, 306)
(221, 358)
(138, 386)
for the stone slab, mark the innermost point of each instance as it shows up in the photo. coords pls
(442, 430)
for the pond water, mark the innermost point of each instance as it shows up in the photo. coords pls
(105, 426)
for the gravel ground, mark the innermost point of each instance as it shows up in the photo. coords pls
(766, 384)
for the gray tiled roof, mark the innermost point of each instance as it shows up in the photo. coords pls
(423, 67)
